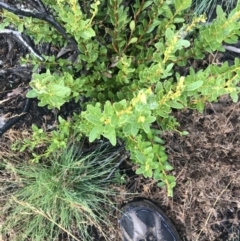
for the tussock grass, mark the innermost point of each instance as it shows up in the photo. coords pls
(209, 6)
(70, 192)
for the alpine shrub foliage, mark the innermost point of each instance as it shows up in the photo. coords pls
(133, 69)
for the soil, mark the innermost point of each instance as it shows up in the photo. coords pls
(206, 201)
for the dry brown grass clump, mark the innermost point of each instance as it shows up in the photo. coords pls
(206, 200)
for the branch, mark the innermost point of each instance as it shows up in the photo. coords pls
(232, 48)
(20, 39)
(18, 36)
(15, 119)
(42, 16)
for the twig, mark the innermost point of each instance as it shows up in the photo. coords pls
(42, 16)
(41, 5)
(232, 48)
(20, 39)
(210, 213)
(15, 119)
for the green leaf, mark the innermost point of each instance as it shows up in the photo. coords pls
(140, 170)
(178, 20)
(200, 106)
(130, 129)
(184, 133)
(182, 43)
(134, 130)
(148, 173)
(182, 4)
(169, 34)
(35, 128)
(168, 167)
(158, 174)
(147, 150)
(171, 178)
(194, 85)
(133, 40)
(119, 106)
(176, 105)
(31, 94)
(127, 129)
(140, 157)
(93, 114)
(220, 13)
(110, 133)
(20, 27)
(59, 90)
(132, 25)
(234, 97)
(161, 184)
(95, 133)
(88, 33)
(146, 128)
(163, 158)
(146, 4)
(158, 140)
(36, 66)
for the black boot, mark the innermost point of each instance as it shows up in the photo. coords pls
(145, 221)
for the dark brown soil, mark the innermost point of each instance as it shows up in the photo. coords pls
(206, 201)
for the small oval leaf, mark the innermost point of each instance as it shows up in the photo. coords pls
(132, 25)
(194, 85)
(133, 40)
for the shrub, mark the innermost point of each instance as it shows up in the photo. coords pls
(133, 65)
(69, 195)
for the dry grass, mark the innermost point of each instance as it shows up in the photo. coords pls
(206, 202)
(208, 170)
